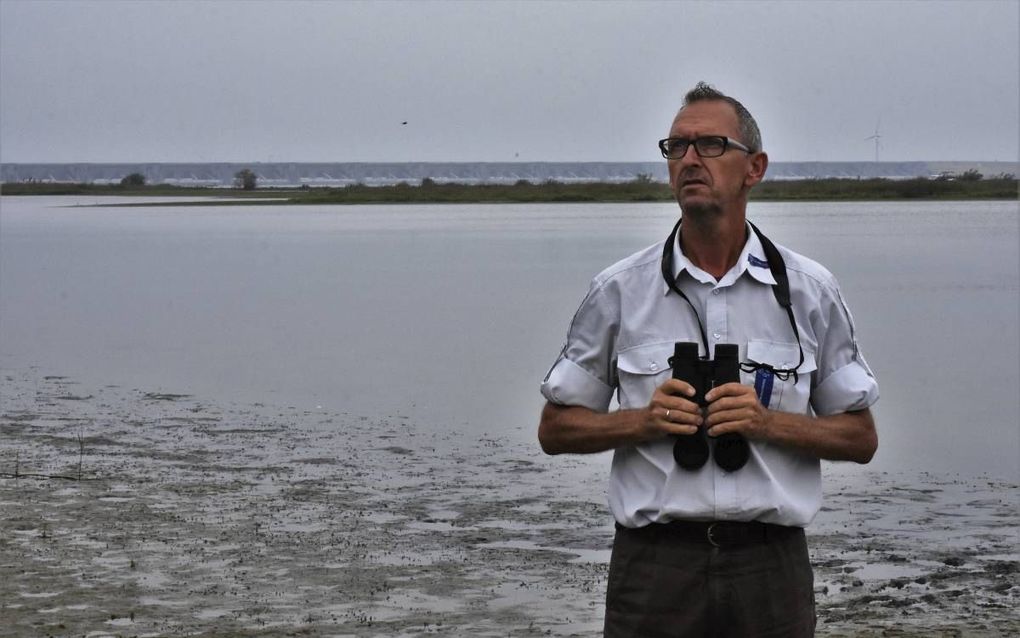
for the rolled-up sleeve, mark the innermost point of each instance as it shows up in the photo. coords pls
(585, 372)
(850, 388)
(569, 384)
(845, 382)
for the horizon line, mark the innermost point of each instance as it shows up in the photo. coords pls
(515, 161)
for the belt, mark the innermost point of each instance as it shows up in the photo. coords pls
(716, 533)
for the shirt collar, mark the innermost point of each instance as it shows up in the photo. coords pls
(752, 260)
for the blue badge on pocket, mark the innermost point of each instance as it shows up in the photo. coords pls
(763, 385)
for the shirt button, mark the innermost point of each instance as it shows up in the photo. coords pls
(716, 291)
(653, 366)
(716, 335)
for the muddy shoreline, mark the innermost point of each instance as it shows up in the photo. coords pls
(195, 518)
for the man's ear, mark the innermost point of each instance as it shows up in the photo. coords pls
(756, 172)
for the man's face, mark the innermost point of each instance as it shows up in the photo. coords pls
(711, 185)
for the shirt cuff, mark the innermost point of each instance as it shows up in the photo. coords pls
(570, 384)
(850, 388)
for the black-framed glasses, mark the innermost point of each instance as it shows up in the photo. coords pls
(708, 146)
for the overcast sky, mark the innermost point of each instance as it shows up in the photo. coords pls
(84, 80)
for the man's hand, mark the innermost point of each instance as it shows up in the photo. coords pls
(672, 410)
(734, 407)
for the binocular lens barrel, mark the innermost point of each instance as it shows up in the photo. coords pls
(731, 450)
(690, 452)
(727, 363)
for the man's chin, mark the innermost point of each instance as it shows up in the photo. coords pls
(698, 207)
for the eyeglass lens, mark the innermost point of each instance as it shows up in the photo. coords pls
(710, 146)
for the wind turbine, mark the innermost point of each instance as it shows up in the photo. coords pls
(877, 136)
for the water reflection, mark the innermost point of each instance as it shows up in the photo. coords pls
(450, 315)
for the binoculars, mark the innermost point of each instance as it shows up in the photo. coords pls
(692, 451)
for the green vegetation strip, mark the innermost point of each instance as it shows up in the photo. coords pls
(639, 190)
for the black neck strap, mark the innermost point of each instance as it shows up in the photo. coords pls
(781, 290)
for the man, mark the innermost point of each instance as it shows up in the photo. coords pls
(715, 549)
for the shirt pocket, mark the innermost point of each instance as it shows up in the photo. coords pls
(788, 395)
(640, 371)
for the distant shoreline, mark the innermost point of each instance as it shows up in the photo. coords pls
(642, 189)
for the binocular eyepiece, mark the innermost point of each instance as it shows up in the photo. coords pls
(691, 452)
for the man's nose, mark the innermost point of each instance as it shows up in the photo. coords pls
(690, 158)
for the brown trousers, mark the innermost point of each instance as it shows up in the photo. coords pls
(662, 586)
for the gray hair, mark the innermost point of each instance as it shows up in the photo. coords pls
(748, 127)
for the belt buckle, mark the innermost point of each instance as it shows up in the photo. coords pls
(708, 535)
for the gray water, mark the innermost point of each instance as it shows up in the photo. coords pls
(451, 315)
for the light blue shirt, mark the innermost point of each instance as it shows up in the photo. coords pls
(622, 336)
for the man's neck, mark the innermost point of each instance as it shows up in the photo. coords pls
(714, 246)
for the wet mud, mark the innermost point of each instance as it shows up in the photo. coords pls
(143, 512)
